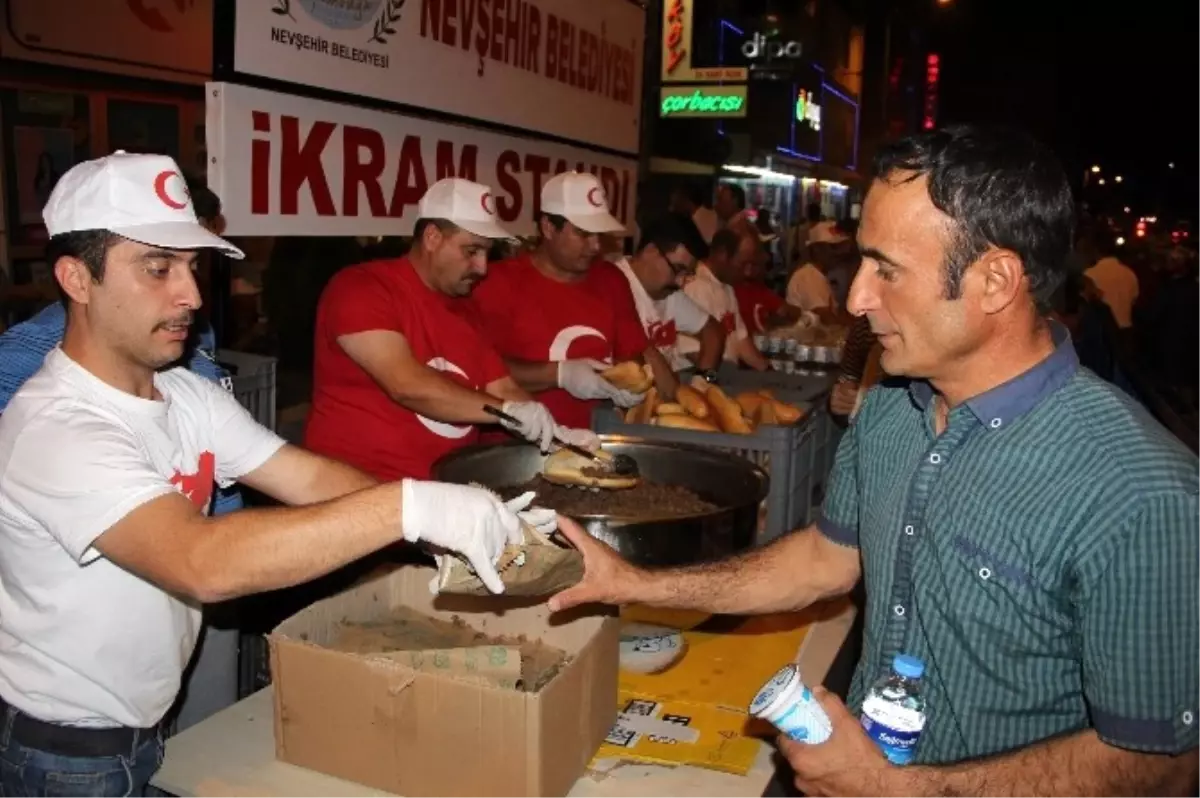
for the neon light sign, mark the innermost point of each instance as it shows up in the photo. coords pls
(675, 41)
(807, 109)
(705, 101)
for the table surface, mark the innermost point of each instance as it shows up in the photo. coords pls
(232, 753)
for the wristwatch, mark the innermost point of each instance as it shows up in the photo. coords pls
(708, 375)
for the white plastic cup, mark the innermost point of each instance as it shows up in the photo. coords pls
(787, 704)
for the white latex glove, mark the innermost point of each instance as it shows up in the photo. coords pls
(583, 438)
(581, 379)
(463, 519)
(536, 423)
(542, 519)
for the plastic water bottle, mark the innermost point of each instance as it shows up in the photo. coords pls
(893, 713)
(785, 702)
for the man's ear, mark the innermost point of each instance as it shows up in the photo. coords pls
(1002, 274)
(76, 281)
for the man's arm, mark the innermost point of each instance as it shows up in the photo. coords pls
(1077, 764)
(386, 356)
(712, 345)
(297, 476)
(748, 353)
(533, 377)
(790, 573)
(664, 376)
(215, 559)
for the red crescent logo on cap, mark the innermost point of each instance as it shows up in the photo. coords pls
(489, 203)
(595, 196)
(160, 188)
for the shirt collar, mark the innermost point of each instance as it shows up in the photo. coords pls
(1011, 400)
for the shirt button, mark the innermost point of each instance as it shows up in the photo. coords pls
(935, 458)
(899, 610)
(985, 573)
(908, 530)
(1187, 718)
(995, 423)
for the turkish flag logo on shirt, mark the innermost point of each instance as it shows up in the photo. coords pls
(198, 486)
(662, 333)
(729, 323)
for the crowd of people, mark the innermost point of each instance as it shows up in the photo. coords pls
(1016, 520)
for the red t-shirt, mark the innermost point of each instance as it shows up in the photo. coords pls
(756, 302)
(352, 419)
(528, 316)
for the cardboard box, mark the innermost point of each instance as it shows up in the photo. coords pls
(373, 720)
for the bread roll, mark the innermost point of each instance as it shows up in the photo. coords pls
(641, 414)
(750, 401)
(684, 421)
(670, 409)
(726, 412)
(629, 376)
(564, 467)
(692, 401)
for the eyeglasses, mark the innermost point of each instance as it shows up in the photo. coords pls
(677, 269)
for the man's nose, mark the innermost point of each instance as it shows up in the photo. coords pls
(188, 293)
(864, 296)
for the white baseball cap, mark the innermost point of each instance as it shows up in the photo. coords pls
(140, 197)
(826, 233)
(580, 198)
(469, 205)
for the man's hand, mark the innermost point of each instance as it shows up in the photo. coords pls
(535, 424)
(848, 763)
(467, 520)
(843, 398)
(581, 379)
(607, 578)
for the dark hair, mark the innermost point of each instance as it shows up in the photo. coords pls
(556, 221)
(726, 241)
(1000, 188)
(442, 225)
(672, 230)
(739, 194)
(813, 212)
(88, 246)
(204, 200)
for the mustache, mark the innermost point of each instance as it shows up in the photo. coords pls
(184, 320)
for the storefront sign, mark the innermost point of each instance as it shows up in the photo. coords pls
(567, 68)
(767, 48)
(288, 165)
(160, 39)
(707, 101)
(808, 111)
(677, 49)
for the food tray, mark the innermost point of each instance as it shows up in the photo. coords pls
(792, 455)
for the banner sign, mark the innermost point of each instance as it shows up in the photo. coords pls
(288, 165)
(566, 68)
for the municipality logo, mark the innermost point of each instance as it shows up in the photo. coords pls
(349, 15)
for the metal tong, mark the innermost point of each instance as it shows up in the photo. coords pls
(620, 464)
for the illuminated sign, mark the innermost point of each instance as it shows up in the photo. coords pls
(702, 101)
(677, 39)
(807, 109)
(677, 50)
(760, 46)
(932, 68)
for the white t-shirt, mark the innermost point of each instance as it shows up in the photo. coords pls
(809, 289)
(664, 319)
(717, 300)
(82, 641)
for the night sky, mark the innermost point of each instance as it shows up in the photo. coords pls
(1114, 85)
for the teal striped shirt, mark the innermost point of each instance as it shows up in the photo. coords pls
(1040, 555)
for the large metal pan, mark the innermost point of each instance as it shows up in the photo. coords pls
(734, 484)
